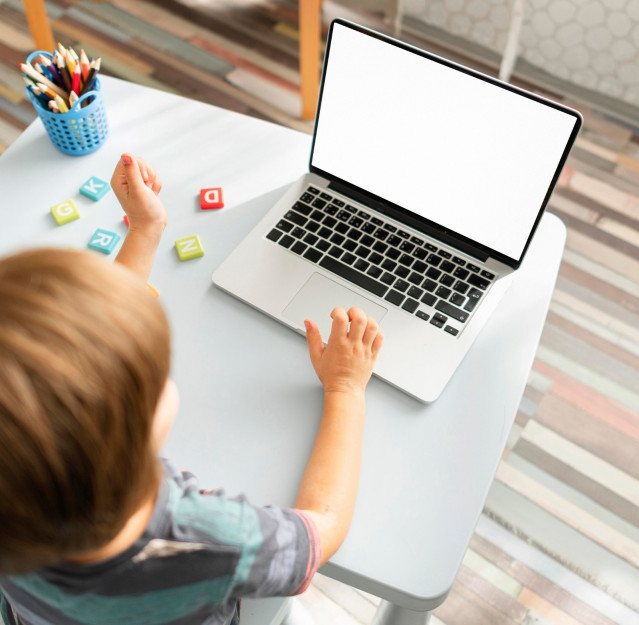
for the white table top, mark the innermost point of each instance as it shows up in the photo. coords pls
(250, 400)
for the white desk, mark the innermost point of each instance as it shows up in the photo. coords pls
(250, 400)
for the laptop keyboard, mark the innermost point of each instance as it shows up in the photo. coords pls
(424, 279)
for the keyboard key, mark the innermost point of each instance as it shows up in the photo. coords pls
(317, 203)
(286, 241)
(395, 297)
(479, 282)
(438, 320)
(312, 254)
(473, 268)
(352, 275)
(367, 240)
(299, 247)
(410, 305)
(447, 279)
(451, 330)
(337, 238)
(326, 196)
(380, 247)
(407, 247)
(362, 251)
(457, 299)
(401, 285)
(368, 227)
(442, 291)
(475, 294)
(342, 227)
(363, 214)
(459, 261)
(422, 315)
(300, 207)
(312, 226)
(324, 232)
(335, 251)
(434, 260)
(415, 278)
(419, 266)
(420, 252)
(387, 278)
(451, 311)
(417, 240)
(284, 225)
(415, 292)
(317, 215)
(447, 266)
(444, 254)
(331, 209)
(460, 287)
(274, 234)
(298, 232)
(393, 252)
(350, 208)
(343, 215)
(329, 221)
(487, 274)
(374, 271)
(356, 235)
(402, 271)
(350, 245)
(430, 247)
(390, 227)
(377, 221)
(393, 239)
(348, 258)
(406, 260)
(470, 305)
(403, 234)
(429, 299)
(307, 197)
(389, 264)
(461, 273)
(355, 221)
(361, 264)
(311, 239)
(429, 285)
(338, 202)
(375, 258)
(381, 234)
(323, 245)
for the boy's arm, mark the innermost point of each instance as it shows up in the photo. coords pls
(328, 489)
(136, 185)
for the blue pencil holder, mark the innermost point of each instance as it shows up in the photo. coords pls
(83, 129)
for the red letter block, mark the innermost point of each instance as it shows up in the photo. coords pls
(211, 198)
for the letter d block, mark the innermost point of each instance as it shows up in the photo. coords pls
(189, 248)
(211, 198)
(104, 241)
(94, 188)
(64, 212)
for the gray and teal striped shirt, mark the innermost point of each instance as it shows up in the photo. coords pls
(201, 552)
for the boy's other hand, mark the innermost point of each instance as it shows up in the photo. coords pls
(346, 363)
(136, 185)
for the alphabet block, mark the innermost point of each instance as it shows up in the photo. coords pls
(189, 247)
(64, 212)
(126, 220)
(104, 241)
(95, 188)
(211, 198)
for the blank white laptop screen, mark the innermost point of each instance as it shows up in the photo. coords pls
(472, 157)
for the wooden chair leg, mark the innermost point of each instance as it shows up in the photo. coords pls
(39, 24)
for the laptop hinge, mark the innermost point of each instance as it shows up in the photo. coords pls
(401, 215)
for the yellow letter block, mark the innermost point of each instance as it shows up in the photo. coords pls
(189, 248)
(64, 212)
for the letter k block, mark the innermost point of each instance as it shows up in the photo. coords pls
(95, 188)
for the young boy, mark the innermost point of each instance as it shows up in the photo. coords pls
(94, 527)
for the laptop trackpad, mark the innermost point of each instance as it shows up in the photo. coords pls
(317, 298)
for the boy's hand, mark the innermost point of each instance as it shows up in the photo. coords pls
(346, 363)
(136, 185)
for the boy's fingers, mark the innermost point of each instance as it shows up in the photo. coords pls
(132, 173)
(372, 330)
(377, 344)
(358, 323)
(314, 339)
(340, 323)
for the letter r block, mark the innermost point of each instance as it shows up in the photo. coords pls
(95, 188)
(211, 198)
(64, 212)
(189, 248)
(104, 241)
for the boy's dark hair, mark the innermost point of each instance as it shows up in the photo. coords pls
(84, 357)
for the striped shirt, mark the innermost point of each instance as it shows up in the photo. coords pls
(200, 553)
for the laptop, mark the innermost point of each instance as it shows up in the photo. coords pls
(427, 181)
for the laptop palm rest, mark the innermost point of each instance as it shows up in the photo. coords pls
(317, 298)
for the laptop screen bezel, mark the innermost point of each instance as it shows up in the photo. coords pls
(408, 217)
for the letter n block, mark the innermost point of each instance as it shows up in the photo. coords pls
(104, 241)
(64, 212)
(189, 248)
(211, 198)
(94, 188)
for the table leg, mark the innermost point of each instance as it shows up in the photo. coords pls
(391, 614)
(309, 47)
(39, 24)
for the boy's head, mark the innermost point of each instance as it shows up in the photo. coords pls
(84, 357)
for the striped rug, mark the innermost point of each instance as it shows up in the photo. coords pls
(559, 538)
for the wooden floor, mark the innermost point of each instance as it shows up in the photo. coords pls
(559, 538)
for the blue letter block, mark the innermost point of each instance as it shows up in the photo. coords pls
(104, 241)
(94, 188)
